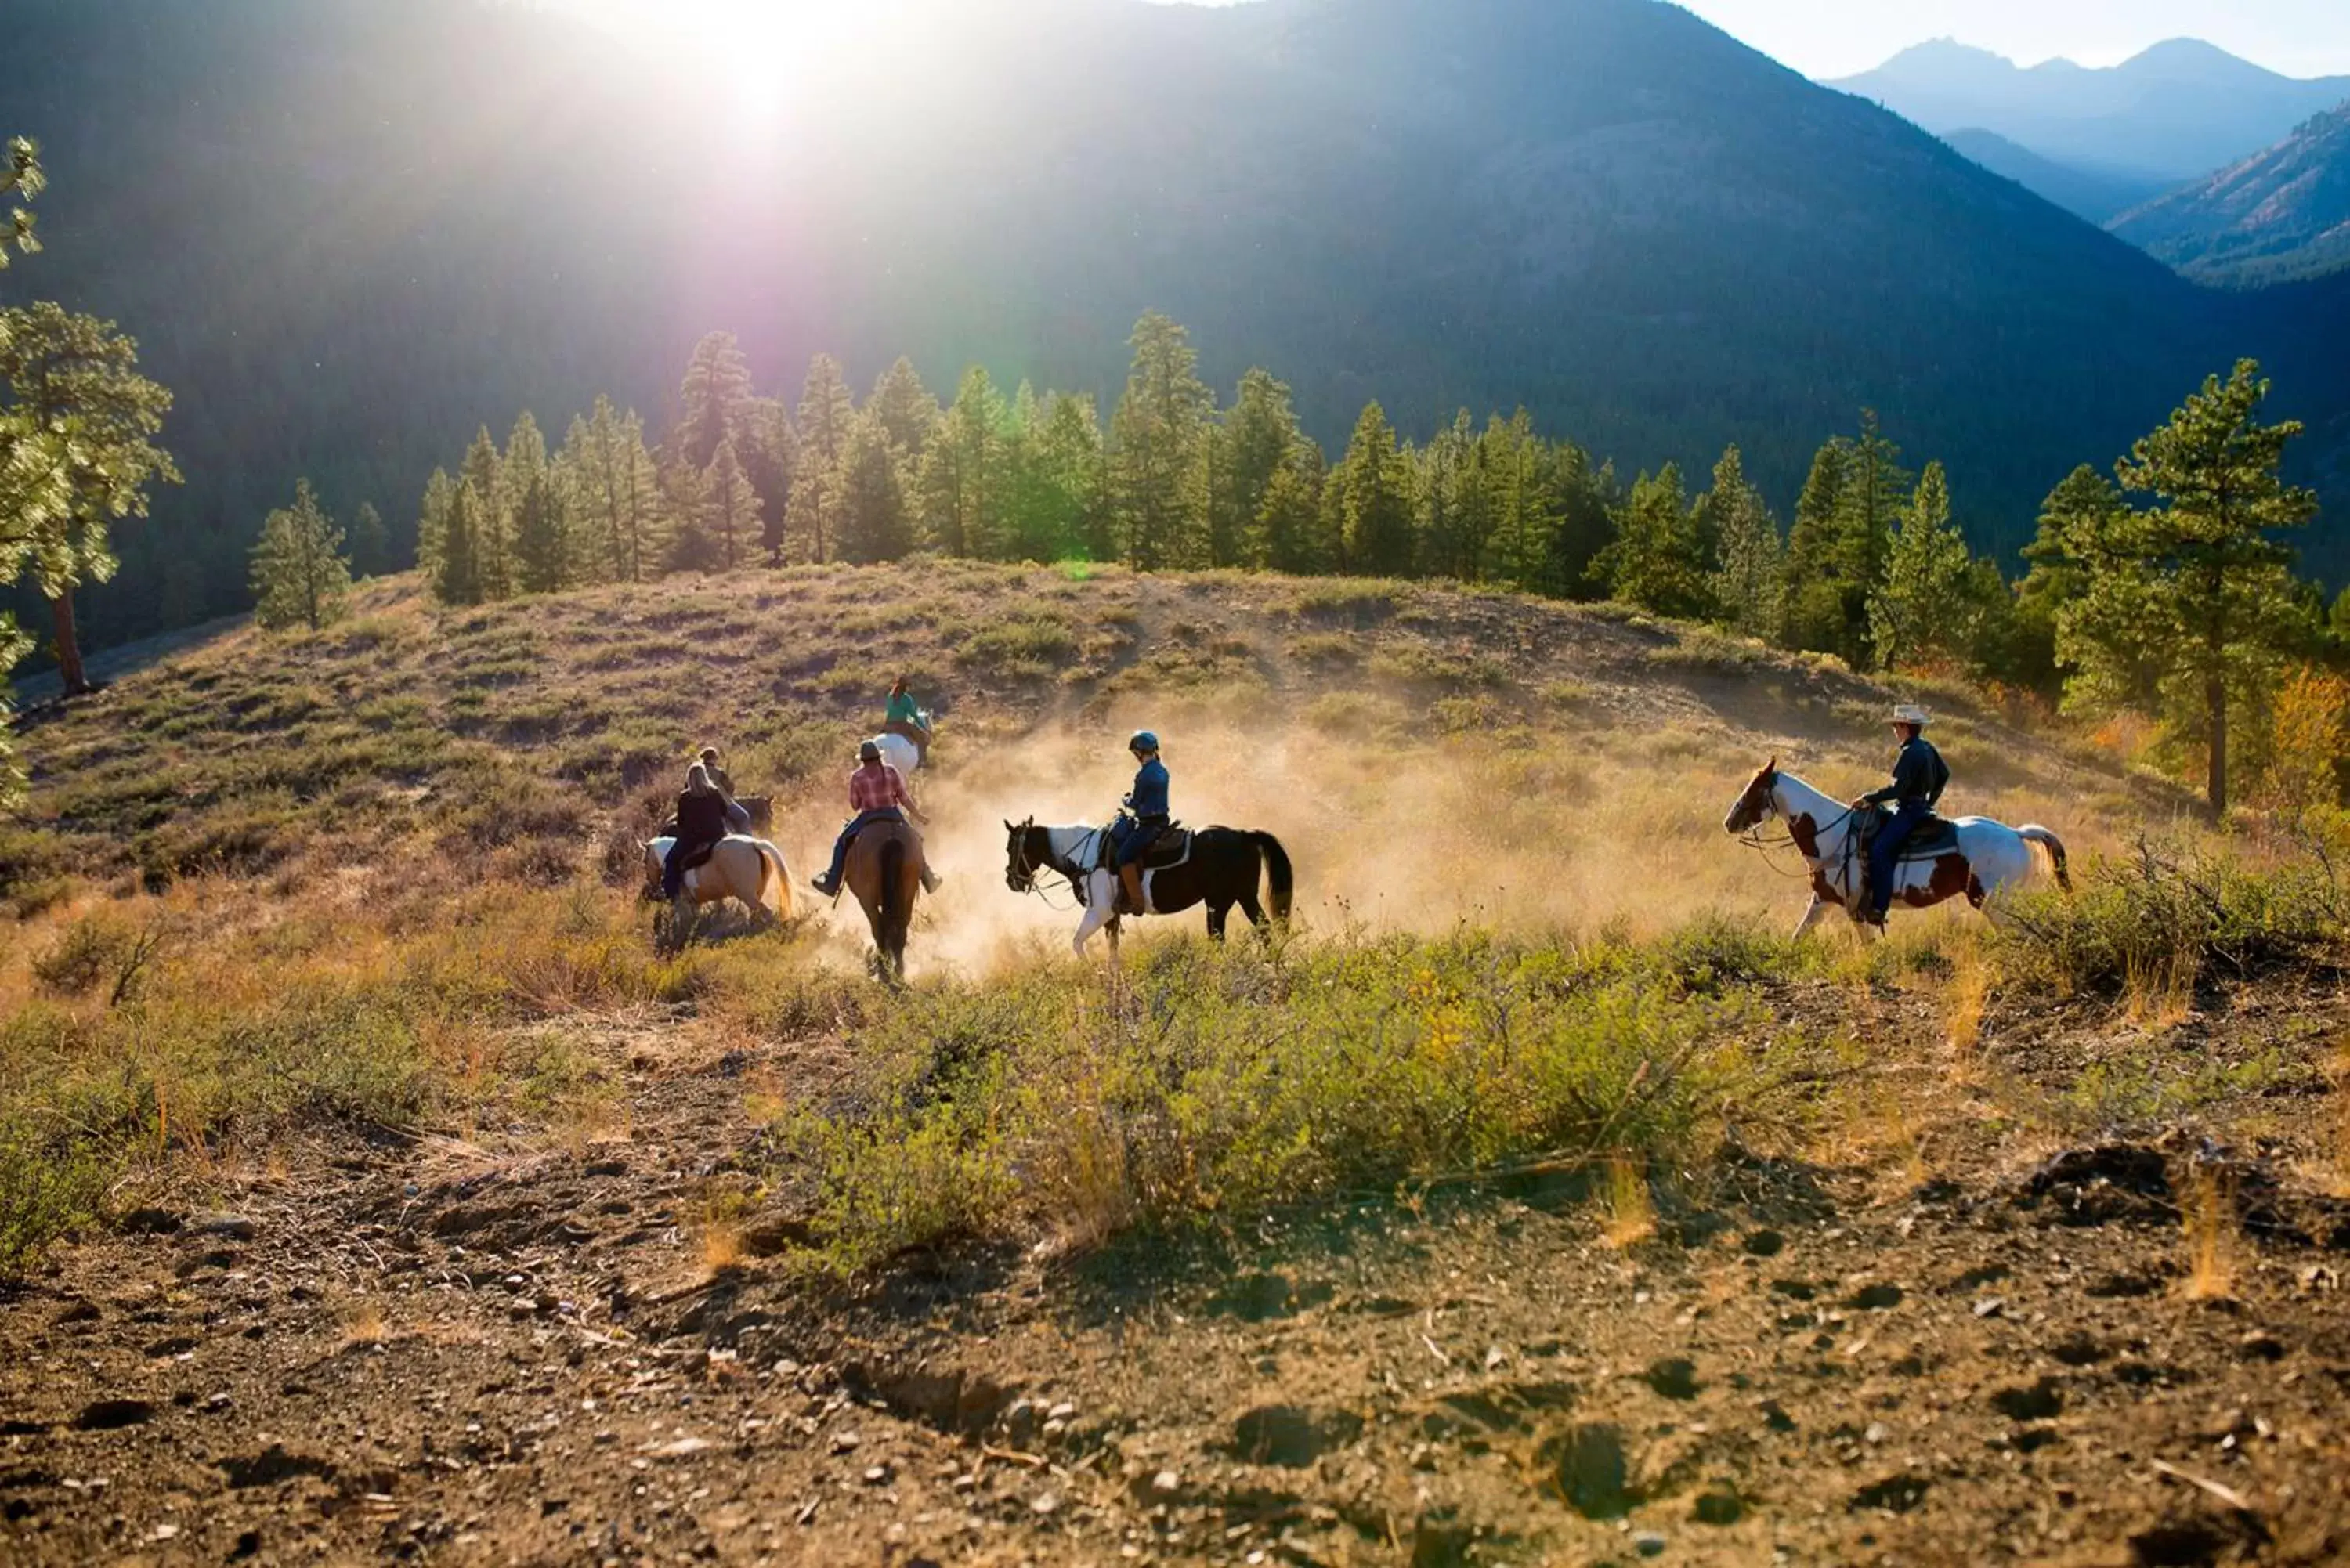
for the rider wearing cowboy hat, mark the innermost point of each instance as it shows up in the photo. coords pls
(1919, 777)
(1145, 818)
(877, 793)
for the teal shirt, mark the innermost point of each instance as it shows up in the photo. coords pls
(904, 710)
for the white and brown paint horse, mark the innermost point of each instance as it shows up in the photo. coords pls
(1989, 856)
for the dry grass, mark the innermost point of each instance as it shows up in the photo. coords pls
(365, 1325)
(1964, 998)
(1628, 1215)
(2207, 1213)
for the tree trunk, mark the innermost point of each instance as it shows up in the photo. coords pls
(2215, 696)
(69, 669)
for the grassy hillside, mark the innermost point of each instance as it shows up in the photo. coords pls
(1435, 750)
(1535, 1186)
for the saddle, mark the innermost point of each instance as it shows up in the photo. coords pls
(1933, 838)
(1172, 848)
(913, 733)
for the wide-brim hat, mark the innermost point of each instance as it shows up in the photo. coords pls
(1910, 713)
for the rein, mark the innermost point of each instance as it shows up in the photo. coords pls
(1031, 870)
(1769, 847)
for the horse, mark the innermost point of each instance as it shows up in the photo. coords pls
(1988, 858)
(1222, 869)
(901, 750)
(748, 870)
(884, 872)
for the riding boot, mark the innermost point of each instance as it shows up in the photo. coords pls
(1129, 878)
(930, 880)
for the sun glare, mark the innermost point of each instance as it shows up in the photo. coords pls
(759, 53)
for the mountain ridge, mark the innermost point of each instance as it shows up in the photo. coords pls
(2280, 216)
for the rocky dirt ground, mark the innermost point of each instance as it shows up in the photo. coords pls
(1985, 1349)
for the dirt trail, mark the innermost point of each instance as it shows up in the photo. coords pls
(508, 1350)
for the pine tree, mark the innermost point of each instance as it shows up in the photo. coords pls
(1748, 586)
(370, 541)
(1814, 603)
(1158, 443)
(20, 178)
(2215, 592)
(1288, 533)
(1065, 510)
(714, 400)
(1373, 482)
(1455, 510)
(1877, 491)
(906, 412)
(457, 578)
(542, 538)
(1655, 561)
(1510, 463)
(79, 432)
(826, 413)
(962, 478)
(875, 523)
(731, 508)
(770, 457)
(1248, 449)
(482, 477)
(1577, 503)
(685, 501)
(432, 523)
(300, 576)
(1925, 609)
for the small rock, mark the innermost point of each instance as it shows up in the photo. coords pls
(1065, 1411)
(1990, 1306)
(846, 1442)
(1044, 1503)
(1765, 1243)
(229, 1227)
(877, 1475)
(1647, 1543)
(1878, 1432)
(2258, 1346)
(1166, 1484)
(1593, 1473)
(153, 1222)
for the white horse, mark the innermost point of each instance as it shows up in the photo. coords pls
(1990, 857)
(901, 753)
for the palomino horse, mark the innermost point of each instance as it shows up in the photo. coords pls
(1222, 869)
(885, 871)
(1990, 857)
(748, 870)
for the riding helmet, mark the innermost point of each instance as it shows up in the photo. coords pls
(1142, 741)
(868, 752)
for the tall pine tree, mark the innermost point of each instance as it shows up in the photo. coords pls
(300, 577)
(1373, 484)
(1158, 440)
(875, 522)
(826, 412)
(1925, 612)
(1749, 584)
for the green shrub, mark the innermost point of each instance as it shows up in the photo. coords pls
(1024, 645)
(2170, 917)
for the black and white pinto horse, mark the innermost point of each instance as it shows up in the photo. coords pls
(1224, 869)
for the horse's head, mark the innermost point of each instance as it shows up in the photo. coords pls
(1024, 849)
(1756, 801)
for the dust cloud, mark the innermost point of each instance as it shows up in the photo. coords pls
(1566, 831)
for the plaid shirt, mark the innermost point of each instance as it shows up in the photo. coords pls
(877, 786)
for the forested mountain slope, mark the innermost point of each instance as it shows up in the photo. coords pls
(2281, 213)
(2093, 194)
(347, 232)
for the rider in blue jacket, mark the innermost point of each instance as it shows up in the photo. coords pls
(1919, 777)
(1145, 818)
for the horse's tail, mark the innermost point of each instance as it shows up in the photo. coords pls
(770, 861)
(1277, 872)
(2049, 850)
(893, 866)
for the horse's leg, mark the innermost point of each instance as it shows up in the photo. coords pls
(1095, 918)
(1217, 914)
(1812, 917)
(1254, 910)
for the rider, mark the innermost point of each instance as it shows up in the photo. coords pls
(904, 710)
(877, 793)
(700, 825)
(1919, 777)
(1145, 818)
(737, 816)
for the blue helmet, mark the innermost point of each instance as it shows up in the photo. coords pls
(1142, 741)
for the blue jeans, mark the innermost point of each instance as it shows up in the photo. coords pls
(862, 820)
(1134, 838)
(1885, 847)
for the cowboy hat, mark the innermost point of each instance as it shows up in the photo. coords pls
(1909, 713)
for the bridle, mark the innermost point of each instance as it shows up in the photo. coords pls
(1025, 870)
(1753, 838)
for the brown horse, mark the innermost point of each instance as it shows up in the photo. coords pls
(885, 871)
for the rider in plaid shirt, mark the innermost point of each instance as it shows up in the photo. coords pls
(877, 793)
